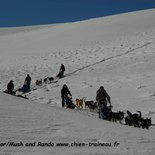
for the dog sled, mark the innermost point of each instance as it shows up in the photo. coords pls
(21, 96)
(25, 89)
(60, 75)
(135, 119)
(69, 104)
(104, 112)
(14, 94)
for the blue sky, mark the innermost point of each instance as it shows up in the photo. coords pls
(36, 12)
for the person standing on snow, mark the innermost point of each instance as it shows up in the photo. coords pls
(10, 87)
(61, 71)
(26, 86)
(102, 98)
(28, 81)
(64, 94)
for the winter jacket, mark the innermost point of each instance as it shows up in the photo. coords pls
(28, 80)
(62, 68)
(102, 95)
(10, 86)
(65, 92)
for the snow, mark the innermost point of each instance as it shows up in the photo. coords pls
(116, 52)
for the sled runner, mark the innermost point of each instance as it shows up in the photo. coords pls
(14, 94)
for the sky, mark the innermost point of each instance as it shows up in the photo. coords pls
(15, 13)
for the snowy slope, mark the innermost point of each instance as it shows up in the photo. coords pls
(28, 122)
(116, 52)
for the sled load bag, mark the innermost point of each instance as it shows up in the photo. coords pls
(69, 104)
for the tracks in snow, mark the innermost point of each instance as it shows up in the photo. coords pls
(109, 58)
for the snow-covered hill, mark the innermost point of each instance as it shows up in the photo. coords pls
(116, 52)
(28, 122)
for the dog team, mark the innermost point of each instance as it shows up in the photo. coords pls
(26, 87)
(135, 119)
(102, 98)
(105, 112)
(50, 79)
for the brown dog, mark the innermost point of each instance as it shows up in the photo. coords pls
(79, 103)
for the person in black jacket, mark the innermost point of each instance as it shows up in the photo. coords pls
(10, 87)
(28, 81)
(64, 94)
(26, 87)
(61, 71)
(102, 98)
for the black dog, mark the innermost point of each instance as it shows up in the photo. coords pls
(48, 79)
(133, 119)
(91, 105)
(145, 123)
(137, 120)
(116, 116)
(39, 82)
